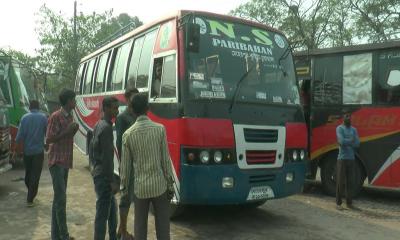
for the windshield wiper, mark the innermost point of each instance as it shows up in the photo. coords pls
(237, 88)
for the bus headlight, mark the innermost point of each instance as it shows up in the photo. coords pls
(204, 156)
(218, 156)
(294, 155)
(302, 154)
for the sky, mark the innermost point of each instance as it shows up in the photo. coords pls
(18, 19)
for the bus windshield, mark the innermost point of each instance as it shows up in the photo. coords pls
(29, 87)
(231, 52)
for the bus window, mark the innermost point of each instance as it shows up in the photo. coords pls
(388, 91)
(145, 57)
(394, 78)
(79, 78)
(327, 86)
(357, 79)
(157, 75)
(88, 78)
(101, 73)
(213, 67)
(118, 68)
(4, 85)
(24, 96)
(168, 82)
(164, 77)
(134, 62)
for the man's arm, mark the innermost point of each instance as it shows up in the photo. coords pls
(166, 160)
(126, 176)
(118, 128)
(19, 139)
(55, 134)
(356, 142)
(341, 139)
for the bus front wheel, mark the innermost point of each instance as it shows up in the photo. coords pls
(328, 176)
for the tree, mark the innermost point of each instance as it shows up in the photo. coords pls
(376, 20)
(61, 49)
(23, 58)
(309, 24)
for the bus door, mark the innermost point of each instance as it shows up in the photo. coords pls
(326, 101)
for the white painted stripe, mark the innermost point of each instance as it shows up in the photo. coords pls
(391, 159)
(80, 103)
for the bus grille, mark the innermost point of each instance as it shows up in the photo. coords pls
(261, 157)
(261, 135)
(261, 178)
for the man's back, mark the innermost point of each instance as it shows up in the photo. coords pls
(32, 132)
(123, 122)
(102, 149)
(146, 143)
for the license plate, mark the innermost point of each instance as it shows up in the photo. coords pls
(261, 192)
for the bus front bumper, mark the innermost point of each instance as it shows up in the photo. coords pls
(204, 184)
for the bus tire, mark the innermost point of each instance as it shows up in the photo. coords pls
(328, 176)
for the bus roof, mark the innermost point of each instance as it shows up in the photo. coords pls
(347, 49)
(175, 14)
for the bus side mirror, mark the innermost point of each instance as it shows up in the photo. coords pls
(193, 37)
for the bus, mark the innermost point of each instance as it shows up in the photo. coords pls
(19, 84)
(227, 95)
(4, 136)
(364, 79)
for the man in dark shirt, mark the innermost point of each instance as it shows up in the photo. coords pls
(102, 157)
(125, 119)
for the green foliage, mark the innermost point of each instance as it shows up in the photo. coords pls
(327, 23)
(376, 20)
(62, 47)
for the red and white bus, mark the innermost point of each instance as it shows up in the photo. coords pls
(228, 98)
(366, 80)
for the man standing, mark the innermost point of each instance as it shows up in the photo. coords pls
(60, 132)
(102, 158)
(31, 134)
(146, 169)
(123, 122)
(348, 140)
(125, 119)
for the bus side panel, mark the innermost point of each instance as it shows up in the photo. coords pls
(378, 128)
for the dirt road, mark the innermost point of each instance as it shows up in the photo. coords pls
(304, 216)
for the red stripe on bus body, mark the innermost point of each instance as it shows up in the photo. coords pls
(296, 135)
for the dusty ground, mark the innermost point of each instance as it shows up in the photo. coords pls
(304, 216)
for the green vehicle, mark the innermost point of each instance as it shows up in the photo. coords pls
(19, 84)
(4, 136)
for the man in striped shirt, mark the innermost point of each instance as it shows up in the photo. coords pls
(146, 169)
(60, 135)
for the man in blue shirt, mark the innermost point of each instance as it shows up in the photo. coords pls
(31, 134)
(348, 140)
